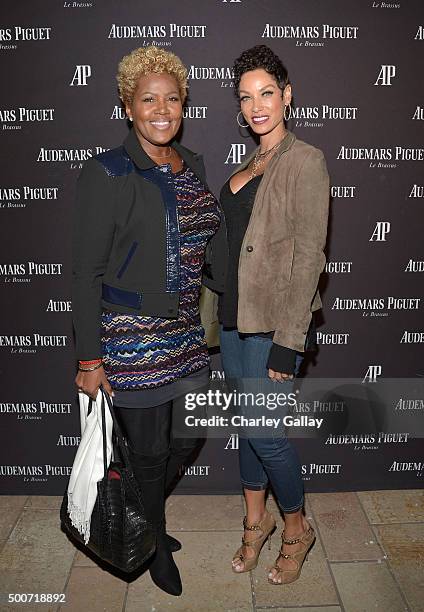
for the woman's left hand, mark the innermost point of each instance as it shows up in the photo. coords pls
(279, 376)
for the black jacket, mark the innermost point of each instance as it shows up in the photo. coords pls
(125, 240)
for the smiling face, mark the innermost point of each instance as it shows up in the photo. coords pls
(156, 110)
(262, 102)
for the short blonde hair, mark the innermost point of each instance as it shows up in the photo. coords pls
(146, 60)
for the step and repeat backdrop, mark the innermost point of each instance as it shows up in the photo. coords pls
(356, 70)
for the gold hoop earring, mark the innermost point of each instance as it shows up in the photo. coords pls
(288, 106)
(240, 124)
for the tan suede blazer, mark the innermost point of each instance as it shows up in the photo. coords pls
(282, 256)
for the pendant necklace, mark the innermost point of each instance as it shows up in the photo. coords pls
(260, 158)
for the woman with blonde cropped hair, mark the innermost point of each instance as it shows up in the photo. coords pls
(143, 218)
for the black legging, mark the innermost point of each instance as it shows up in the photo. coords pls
(157, 452)
(151, 432)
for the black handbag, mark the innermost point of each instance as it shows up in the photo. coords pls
(120, 534)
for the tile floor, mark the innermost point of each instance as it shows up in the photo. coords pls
(369, 555)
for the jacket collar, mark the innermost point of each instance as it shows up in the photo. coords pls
(287, 143)
(144, 162)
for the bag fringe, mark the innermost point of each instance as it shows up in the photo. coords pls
(78, 520)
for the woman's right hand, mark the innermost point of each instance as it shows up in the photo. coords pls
(89, 382)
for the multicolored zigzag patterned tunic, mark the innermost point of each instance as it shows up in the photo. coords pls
(141, 352)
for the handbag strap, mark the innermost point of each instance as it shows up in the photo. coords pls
(116, 428)
(104, 434)
(90, 405)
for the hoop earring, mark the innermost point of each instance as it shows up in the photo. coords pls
(240, 124)
(288, 106)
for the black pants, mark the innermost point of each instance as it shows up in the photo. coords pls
(153, 432)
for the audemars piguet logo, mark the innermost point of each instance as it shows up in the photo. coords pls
(377, 307)
(386, 75)
(338, 267)
(381, 157)
(75, 157)
(410, 404)
(35, 473)
(81, 75)
(417, 191)
(59, 306)
(232, 442)
(407, 466)
(12, 118)
(412, 337)
(189, 112)
(34, 411)
(212, 73)
(31, 343)
(355, 153)
(315, 116)
(317, 469)
(63, 440)
(137, 31)
(367, 441)
(171, 30)
(195, 112)
(343, 191)
(24, 272)
(159, 35)
(319, 406)
(373, 371)
(14, 34)
(387, 303)
(118, 112)
(195, 470)
(310, 36)
(332, 338)
(414, 265)
(418, 113)
(236, 153)
(380, 231)
(18, 197)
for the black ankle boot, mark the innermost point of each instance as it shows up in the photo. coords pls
(177, 458)
(174, 544)
(150, 472)
(172, 469)
(163, 570)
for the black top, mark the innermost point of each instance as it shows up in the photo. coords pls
(237, 209)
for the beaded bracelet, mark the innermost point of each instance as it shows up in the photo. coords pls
(91, 362)
(96, 367)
